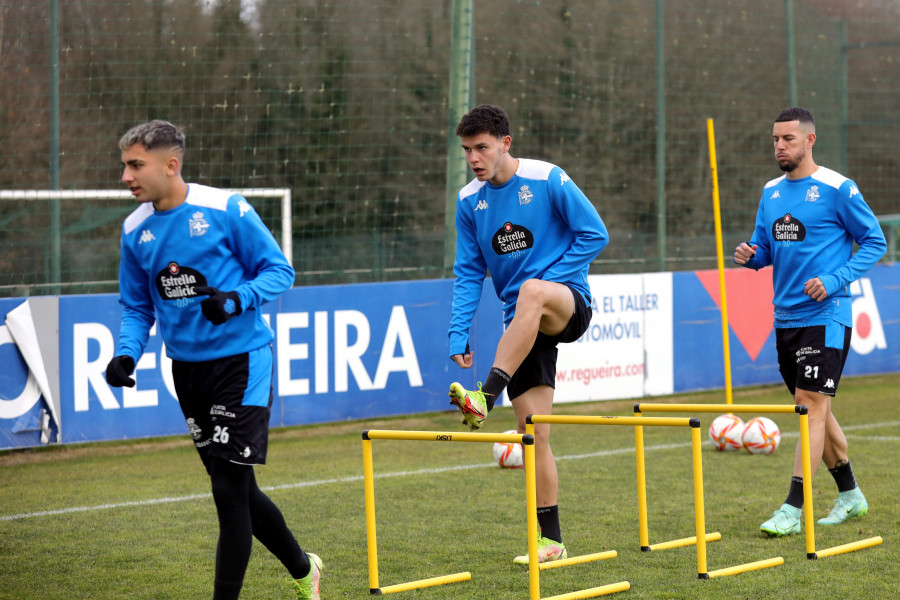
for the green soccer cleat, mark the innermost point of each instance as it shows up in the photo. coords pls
(308, 587)
(548, 550)
(471, 404)
(784, 521)
(848, 504)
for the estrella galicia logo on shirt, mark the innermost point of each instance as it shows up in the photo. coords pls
(512, 238)
(176, 282)
(788, 229)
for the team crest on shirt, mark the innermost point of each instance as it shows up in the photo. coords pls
(812, 194)
(198, 224)
(194, 429)
(525, 195)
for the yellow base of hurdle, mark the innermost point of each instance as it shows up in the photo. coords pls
(639, 423)
(422, 583)
(688, 541)
(803, 414)
(527, 441)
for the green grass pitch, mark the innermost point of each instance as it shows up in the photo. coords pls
(135, 520)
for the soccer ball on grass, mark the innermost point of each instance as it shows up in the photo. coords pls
(725, 432)
(508, 454)
(761, 436)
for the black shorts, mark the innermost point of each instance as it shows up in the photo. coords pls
(539, 367)
(812, 358)
(226, 403)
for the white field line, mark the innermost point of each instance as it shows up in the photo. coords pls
(355, 478)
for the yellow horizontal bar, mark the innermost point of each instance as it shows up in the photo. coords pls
(423, 583)
(867, 543)
(688, 541)
(593, 592)
(443, 436)
(577, 560)
(751, 566)
(603, 420)
(725, 408)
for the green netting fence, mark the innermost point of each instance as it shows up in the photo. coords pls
(351, 105)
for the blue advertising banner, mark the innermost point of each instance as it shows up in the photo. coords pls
(341, 352)
(875, 345)
(372, 350)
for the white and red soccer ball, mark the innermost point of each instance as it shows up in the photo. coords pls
(725, 432)
(508, 454)
(761, 436)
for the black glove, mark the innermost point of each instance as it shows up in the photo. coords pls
(220, 306)
(118, 371)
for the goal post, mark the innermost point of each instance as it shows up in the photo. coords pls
(79, 223)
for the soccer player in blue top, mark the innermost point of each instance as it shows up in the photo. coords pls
(529, 225)
(199, 262)
(807, 222)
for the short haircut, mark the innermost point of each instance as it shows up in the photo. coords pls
(797, 113)
(154, 135)
(486, 118)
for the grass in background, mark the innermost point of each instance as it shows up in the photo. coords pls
(148, 526)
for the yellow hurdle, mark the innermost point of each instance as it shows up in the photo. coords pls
(806, 463)
(696, 458)
(527, 441)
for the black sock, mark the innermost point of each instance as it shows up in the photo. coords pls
(494, 386)
(843, 476)
(795, 494)
(548, 519)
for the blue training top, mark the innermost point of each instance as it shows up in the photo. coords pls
(806, 229)
(537, 225)
(214, 238)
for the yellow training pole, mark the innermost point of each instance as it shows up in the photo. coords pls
(698, 503)
(809, 516)
(371, 543)
(534, 582)
(718, 219)
(643, 525)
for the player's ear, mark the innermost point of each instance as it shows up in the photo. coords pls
(810, 139)
(173, 165)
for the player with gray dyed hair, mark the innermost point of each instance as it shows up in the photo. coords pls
(199, 263)
(154, 135)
